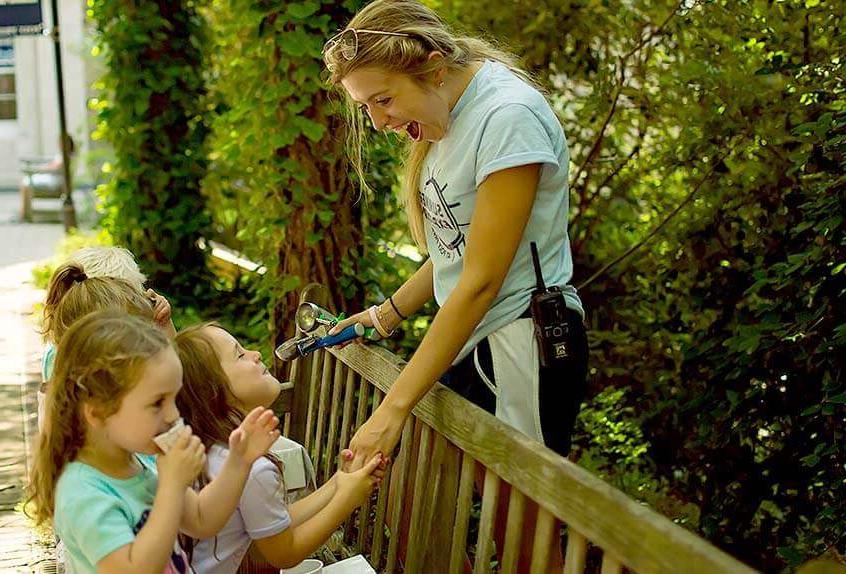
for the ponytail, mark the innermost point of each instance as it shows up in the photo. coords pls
(63, 279)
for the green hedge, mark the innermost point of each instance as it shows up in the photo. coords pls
(153, 111)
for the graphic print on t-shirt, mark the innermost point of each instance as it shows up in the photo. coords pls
(178, 561)
(445, 228)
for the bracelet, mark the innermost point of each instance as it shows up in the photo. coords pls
(394, 305)
(374, 318)
(383, 319)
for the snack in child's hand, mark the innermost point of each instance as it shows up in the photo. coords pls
(167, 438)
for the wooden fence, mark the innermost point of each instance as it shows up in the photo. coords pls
(445, 446)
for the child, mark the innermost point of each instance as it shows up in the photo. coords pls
(220, 377)
(106, 262)
(115, 505)
(73, 294)
(89, 263)
(253, 388)
(100, 261)
(119, 262)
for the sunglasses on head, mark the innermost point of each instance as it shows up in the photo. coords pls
(347, 42)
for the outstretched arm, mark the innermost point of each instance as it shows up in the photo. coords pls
(502, 210)
(206, 512)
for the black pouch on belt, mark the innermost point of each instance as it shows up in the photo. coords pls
(551, 317)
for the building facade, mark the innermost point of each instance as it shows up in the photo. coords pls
(29, 104)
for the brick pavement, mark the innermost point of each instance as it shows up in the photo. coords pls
(21, 246)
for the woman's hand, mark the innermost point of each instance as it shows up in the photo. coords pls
(379, 434)
(362, 317)
(254, 436)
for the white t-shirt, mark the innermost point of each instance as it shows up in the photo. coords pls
(261, 513)
(499, 122)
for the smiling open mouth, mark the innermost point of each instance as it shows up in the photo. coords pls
(413, 129)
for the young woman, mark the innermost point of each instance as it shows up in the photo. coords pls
(486, 176)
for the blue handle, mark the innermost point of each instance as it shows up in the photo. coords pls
(347, 334)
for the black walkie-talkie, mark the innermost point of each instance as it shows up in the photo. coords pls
(549, 314)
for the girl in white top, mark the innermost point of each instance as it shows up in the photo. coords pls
(221, 379)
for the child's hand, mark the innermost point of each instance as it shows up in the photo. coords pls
(356, 486)
(254, 436)
(348, 463)
(161, 312)
(184, 461)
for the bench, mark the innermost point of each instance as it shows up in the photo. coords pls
(42, 179)
(444, 445)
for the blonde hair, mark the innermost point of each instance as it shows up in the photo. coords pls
(99, 360)
(72, 294)
(99, 261)
(423, 33)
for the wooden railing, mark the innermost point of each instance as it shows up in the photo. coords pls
(444, 446)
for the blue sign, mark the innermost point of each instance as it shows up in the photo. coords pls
(7, 55)
(20, 18)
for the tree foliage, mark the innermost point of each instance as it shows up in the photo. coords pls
(724, 329)
(152, 111)
(279, 181)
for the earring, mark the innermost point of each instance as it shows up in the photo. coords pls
(441, 84)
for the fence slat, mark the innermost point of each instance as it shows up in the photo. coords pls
(296, 417)
(347, 414)
(433, 482)
(381, 503)
(379, 525)
(457, 552)
(444, 504)
(398, 496)
(417, 543)
(335, 409)
(513, 530)
(361, 412)
(363, 397)
(364, 511)
(574, 560)
(378, 395)
(325, 382)
(484, 543)
(296, 371)
(610, 565)
(543, 536)
(316, 359)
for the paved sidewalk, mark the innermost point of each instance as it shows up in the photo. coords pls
(21, 247)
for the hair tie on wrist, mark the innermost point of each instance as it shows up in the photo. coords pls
(394, 305)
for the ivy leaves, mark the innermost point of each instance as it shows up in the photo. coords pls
(152, 111)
